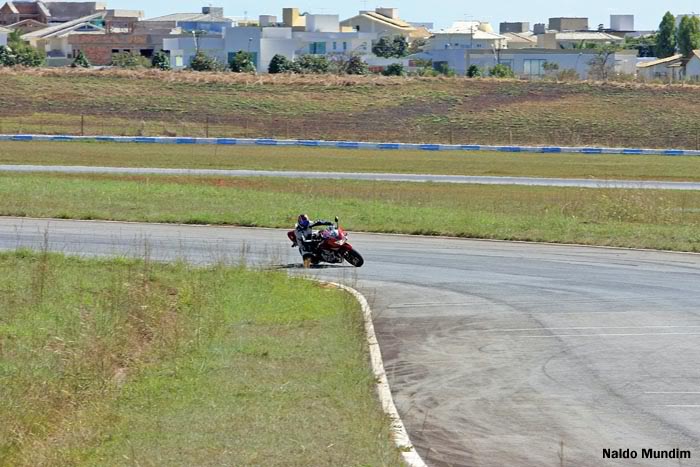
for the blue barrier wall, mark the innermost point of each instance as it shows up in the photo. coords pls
(352, 145)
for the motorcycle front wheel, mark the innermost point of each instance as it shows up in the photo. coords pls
(354, 258)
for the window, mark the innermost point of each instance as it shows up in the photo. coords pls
(317, 48)
(534, 67)
(345, 46)
(335, 46)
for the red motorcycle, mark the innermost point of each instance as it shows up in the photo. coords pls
(329, 245)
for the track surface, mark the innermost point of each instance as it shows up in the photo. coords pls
(384, 177)
(497, 353)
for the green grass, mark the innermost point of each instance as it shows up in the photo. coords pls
(123, 362)
(344, 160)
(457, 110)
(630, 218)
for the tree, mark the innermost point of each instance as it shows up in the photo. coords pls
(203, 62)
(474, 72)
(400, 46)
(645, 46)
(280, 64)
(417, 46)
(312, 64)
(242, 62)
(395, 69)
(689, 35)
(501, 71)
(387, 47)
(666, 37)
(356, 66)
(23, 53)
(130, 60)
(161, 61)
(80, 61)
(601, 65)
(384, 48)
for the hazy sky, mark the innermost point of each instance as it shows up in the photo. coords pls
(442, 12)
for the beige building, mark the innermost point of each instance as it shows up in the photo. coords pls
(576, 40)
(384, 22)
(523, 40)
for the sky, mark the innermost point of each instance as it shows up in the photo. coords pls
(441, 12)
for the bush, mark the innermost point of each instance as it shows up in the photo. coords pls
(80, 61)
(312, 64)
(130, 60)
(445, 70)
(474, 72)
(395, 69)
(7, 57)
(242, 62)
(501, 71)
(161, 60)
(568, 75)
(203, 62)
(280, 64)
(356, 66)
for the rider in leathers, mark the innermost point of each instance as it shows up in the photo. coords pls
(305, 238)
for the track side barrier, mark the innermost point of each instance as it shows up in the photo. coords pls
(353, 145)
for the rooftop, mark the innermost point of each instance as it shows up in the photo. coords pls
(470, 27)
(181, 17)
(520, 37)
(65, 28)
(661, 61)
(397, 23)
(587, 36)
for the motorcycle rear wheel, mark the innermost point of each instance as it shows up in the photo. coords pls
(354, 258)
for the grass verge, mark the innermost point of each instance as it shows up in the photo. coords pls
(120, 362)
(344, 160)
(367, 108)
(629, 218)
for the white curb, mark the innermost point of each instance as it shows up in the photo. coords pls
(403, 442)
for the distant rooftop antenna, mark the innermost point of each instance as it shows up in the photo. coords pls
(364, 5)
(245, 16)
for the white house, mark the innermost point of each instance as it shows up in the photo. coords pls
(322, 36)
(668, 68)
(530, 63)
(692, 67)
(467, 35)
(3, 36)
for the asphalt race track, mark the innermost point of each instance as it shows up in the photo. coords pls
(498, 354)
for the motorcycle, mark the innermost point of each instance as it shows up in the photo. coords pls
(330, 245)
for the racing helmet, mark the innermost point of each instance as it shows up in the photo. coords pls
(303, 221)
